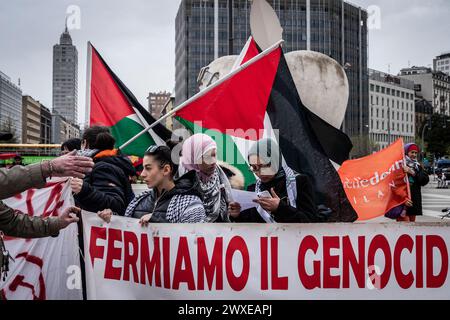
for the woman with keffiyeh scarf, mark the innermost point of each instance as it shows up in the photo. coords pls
(417, 179)
(291, 195)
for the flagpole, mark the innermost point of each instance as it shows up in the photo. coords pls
(87, 119)
(202, 93)
(406, 174)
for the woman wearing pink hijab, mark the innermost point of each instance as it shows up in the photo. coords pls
(199, 153)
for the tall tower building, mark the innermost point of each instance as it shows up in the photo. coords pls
(333, 27)
(65, 78)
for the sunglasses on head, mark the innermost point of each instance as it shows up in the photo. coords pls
(154, 148)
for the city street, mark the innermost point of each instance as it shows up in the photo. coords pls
(434, 200)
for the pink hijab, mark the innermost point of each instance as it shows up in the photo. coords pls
(194, 148)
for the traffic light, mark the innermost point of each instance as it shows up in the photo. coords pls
(430, 122)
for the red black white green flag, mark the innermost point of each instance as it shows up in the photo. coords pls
(243, 108)
(110, 103)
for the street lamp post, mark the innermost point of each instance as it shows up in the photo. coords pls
(389, 122)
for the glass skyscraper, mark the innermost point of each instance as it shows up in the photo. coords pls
(10, 107)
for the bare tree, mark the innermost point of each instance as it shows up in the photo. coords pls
(8, 126)
(362, 146)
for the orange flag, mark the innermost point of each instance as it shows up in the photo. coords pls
(377, 183)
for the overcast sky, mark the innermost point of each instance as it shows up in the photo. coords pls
(137, 39)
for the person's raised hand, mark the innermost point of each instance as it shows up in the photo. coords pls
(70, 165)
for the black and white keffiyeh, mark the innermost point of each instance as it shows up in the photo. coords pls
(216, 192)
(135, 202)
(185, 209)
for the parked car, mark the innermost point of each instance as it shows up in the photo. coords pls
(443, 166)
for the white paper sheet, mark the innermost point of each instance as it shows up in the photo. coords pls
(244, 198)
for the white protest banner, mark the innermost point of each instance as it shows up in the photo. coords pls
(265, 261)
(48, 268)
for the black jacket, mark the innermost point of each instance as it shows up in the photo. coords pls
(107, 186)
(420, 180)
(158, 205)
(306, 211)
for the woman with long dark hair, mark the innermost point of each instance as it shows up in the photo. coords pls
(168, 200)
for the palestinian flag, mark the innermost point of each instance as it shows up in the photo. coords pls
(243, 108)
(335, 143)
(110, 103)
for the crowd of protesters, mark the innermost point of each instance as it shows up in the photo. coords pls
(189, 188)
(192, 187)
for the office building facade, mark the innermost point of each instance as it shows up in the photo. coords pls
(46, 126)
(31, 120)
(63, 130)
(10, 107)
(442, 63)
(156, 102)
(392, 109)
(333, 27)
(433, 86)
